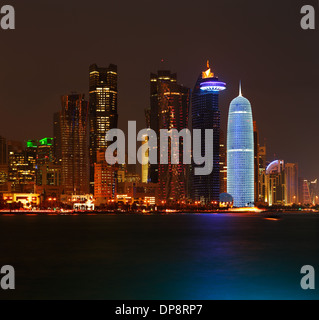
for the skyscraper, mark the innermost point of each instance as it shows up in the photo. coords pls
(57, 152)
(3, 150)
(3, 161)
(291, 172)
(103, 110)
(256, 161)
(275, 178)
(240, 152)
(170, 104)
(145, 158)
(73, 126)
(206, 115)
(22, 166)
(222, 163)
(105, 179)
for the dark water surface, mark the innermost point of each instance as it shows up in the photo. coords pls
(159, 257)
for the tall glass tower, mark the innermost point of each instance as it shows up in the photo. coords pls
(206, 115)
(240, 152)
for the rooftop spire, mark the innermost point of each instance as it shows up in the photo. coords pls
(240, 94)
(208, 73)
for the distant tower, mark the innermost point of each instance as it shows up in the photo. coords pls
(206, 115)
(240, 152)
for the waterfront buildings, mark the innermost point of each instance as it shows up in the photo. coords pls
(145, 160)
(256, 162)
(276, 191)
(292, 174)
(73, 124)
(102, 111)
(222, 164)
(169, 109)
(105, 179)
(206, 115)
(240, 152)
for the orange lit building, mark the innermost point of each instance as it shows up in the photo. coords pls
(105, 179)
(170, 103)
(73, 121)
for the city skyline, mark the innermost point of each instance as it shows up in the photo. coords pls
(58, 168)
(269, 61)
(264, 141)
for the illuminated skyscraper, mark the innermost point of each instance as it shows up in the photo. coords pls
(292, 175)
(206, 115)
(103, 110)
(145, 158)
(256, 162)
(240, 152)
(169, 110)
(105, 179)
(276, 191)
(222, 163)
(73, 125)
(22, 166)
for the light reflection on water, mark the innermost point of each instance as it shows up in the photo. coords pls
(189, 256)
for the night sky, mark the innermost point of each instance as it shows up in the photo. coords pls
(260, 43)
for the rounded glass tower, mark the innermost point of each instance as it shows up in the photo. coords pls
(240, 152)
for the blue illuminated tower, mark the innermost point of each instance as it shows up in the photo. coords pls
(240, 152)
(206, 115)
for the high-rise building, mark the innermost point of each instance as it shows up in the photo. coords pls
(3, 161)
(145, 160)
(170, 104)
(152, 114)
(73, 142)
(3, 150)
(222, 163)
(105, 179)
(206, 115)
(291, 172)
(314, 191)
(275, 177)
(240, 152)
(304, 191)
(103, 110)
(22, 167)
(262, 174)
(256, 162)
(57, 151)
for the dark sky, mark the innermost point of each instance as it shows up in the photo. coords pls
(259, 42)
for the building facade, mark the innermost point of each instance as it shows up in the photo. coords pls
(206, 115)
(74, 149)
(170, 104)
(240, 153)
(102, 111)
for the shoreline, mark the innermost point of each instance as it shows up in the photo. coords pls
(93, 213)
